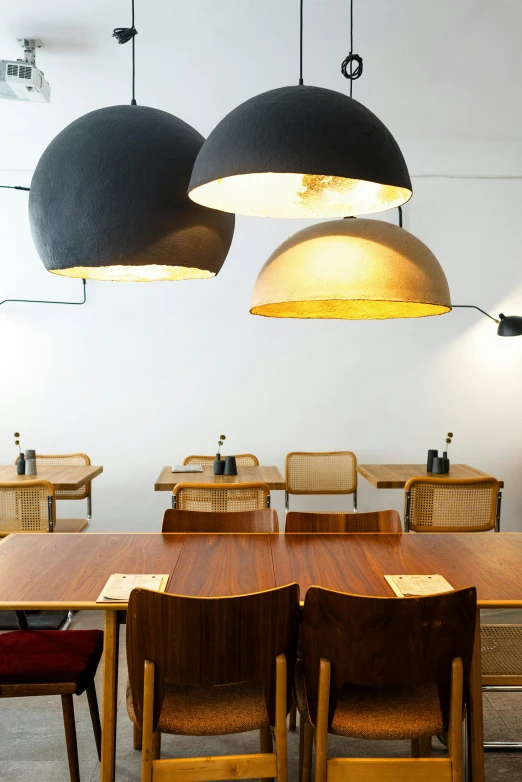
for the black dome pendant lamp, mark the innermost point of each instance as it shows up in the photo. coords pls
(108, 199)
(301, 152)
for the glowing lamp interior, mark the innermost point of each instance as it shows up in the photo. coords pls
(298, 195)
(333, 309)
(146, 273)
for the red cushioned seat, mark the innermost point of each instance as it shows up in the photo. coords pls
(50, 656)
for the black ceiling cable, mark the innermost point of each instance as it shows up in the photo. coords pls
(301, 43)
(124, 35)
(347, 69)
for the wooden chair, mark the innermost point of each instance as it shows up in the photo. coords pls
(385, 668)
(242, 460)
(212, 666)
(376, 521)
(452, 505)
(225, 521)
(501, 656)
(50, 662)
(84, 493)
(321, 473)
(221, 496)
(28, 506)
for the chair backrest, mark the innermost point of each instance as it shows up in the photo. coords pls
(221, 496)
(66, 459)
(242, 460)
(451, 505)
(27, 506)
(386, 642)
(211, 641)
(225, 521)
(374, 521)
(321, 473)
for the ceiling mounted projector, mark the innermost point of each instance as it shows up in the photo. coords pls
(21, 79)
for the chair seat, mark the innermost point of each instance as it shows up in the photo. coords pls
(210, 711)
(371, 713)
(501, 650)
(70, 525)
(50, 657)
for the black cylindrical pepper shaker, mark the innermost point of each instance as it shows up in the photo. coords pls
(20, 465)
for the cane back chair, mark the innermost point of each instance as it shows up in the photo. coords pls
(376, 521)
(501, 657)
(212, 666)
(221, 496)
(69, 460)
(50, 662)
(225, 521)
(452, 505)
(242, 460)
(321, 473)
(27, 506)
(383, 668)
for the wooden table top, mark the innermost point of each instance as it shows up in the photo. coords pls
(66, 477)
(396, 476)
(60, 571)
(167, 479)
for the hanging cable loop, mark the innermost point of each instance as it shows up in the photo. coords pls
(347, 67)
(124, 35)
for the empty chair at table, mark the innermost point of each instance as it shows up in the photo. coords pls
(373, 521)
(452, 505)
(501, 657)
(321, 473)
(242, 460)
(211, 667)
(384, 669)
(264, 520)
(83, 493)
(51, 662)
(221, 496)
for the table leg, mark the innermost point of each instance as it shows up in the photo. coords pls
(110, 693)
(476, 723)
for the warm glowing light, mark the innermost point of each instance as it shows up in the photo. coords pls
(147, 273)
(298, 195)
(352, 270)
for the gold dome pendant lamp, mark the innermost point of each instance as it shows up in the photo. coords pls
(300, 151)
(353, 269)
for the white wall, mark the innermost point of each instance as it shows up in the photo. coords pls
(144, 374)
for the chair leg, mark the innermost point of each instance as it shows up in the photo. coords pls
(455, 722)
(306, 740)
(70, 737)
(421, 747)
(266, 744)
(280, 720)
(136, 736)
(156, 745)
(321, 727)
(95, 715)
(292, 720)
(21, 619)
(148, 736)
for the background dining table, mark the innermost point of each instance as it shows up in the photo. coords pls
(167, 479)
(69, 571)
(65, 477)
(396, 476)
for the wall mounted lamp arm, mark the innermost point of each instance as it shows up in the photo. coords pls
(44, 301)
(474, 307)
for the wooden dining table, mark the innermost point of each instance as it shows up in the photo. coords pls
(396, 476)
(69, 571)
(64, 476)
(167, 479)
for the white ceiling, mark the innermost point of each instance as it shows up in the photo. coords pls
(434, 70)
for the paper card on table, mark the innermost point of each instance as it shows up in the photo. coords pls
(187, 468)
(404, 586)
(120, 585)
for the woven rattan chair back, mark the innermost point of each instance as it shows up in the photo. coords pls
(385, 642)
(376, 521)
(27, 506)
(222, 497)
(451, 505)
(242, 460)
(236, 521)
(211, 641)
(321, 473)
(66, 459)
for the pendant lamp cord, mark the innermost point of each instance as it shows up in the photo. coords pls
(124, 35)
(301, 43)
(347, 69)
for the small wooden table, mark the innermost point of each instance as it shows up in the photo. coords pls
(355, 563)
(396, 476)
(64, 477)
(167, 479)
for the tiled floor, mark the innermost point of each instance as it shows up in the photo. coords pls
(32, 745)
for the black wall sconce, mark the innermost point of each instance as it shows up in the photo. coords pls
(508, 325)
